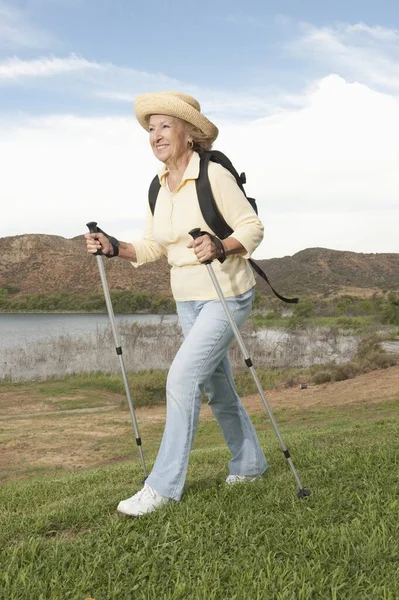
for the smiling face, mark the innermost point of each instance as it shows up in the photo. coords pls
(168, 138)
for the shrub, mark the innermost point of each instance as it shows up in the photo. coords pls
(321, 377)
(390, 310)
(343, 372)
(378, 360)
(348, 323)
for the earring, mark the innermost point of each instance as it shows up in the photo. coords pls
(190, 144)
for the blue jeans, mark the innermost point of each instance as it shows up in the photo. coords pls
(202, 363)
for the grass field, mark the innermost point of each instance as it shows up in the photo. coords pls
(61, 538)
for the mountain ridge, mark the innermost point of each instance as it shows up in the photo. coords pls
(43, 263)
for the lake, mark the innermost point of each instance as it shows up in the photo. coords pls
(39, 346)
(22, 329)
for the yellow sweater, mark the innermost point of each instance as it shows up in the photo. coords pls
(177, 212)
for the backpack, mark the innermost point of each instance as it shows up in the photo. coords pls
(208, 206)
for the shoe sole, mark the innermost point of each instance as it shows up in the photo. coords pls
(230, 483)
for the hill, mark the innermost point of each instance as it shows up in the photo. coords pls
(44, 264)
(36, 264)
(323, 271)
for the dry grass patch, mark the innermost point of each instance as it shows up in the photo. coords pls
(36, 437)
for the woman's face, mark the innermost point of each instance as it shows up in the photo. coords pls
(168, 138)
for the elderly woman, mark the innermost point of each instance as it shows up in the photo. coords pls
(178, 133)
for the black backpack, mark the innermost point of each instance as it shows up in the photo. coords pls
(208, 206)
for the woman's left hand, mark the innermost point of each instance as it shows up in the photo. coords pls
(204, 248)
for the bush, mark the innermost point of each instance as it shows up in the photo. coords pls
(390, 310)
(348, 323)
(321, 377)
(343, 372)
(369, 346)
(378, 360)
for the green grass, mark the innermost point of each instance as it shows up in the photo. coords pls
(62, 540)
(358, 323)
(148, 387)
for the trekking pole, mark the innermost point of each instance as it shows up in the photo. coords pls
(93, 229)
(302, 491)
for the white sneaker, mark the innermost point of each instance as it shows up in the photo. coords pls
(232, 479)
(145, 501)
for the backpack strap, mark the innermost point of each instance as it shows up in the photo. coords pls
(213, 217)
(220, 158)
(153, 192)
(262, 274)
(209, 209)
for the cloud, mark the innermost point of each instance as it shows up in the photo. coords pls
(123, 84)
(60, 172)
(324, 174)
(239, 105)
(16, 31)
(15, 69)
(119, 84)
(339, 151)
(380, 33)
(358, 52)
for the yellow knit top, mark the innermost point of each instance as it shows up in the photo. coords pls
(177, 212)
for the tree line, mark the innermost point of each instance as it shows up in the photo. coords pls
(122, 301)
(384, 306)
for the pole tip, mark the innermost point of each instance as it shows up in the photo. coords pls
(304, 493)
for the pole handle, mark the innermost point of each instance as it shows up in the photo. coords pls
(92, 226)
(94, 229)
(196, 233)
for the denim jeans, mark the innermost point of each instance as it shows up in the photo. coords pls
(202, 364)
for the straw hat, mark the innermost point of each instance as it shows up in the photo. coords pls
(173, 104)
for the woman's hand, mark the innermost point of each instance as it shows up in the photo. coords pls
(205, 249)
(97, 241)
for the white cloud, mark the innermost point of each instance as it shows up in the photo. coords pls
(111, 82)
(324, 175)
(358, 52)
(340, 151)
(220, 104)
(380, 33)
(14, 69)
(60, 172)
(16, 31)
(369, 231)
(124, 84)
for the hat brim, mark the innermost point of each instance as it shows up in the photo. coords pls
(173, 106)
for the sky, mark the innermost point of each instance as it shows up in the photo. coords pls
(305, 96)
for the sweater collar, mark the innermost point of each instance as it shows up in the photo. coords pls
(191, 172)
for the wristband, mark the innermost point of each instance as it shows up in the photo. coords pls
(114, 243)
(219, 244)
(115, 247)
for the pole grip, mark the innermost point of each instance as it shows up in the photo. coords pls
(93, 229)
(196, 233)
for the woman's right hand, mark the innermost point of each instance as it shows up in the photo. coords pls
(97, 241)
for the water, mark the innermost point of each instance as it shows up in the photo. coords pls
(22, 330)
(39, 346)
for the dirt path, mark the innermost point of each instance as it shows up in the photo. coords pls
(377, 386)
(37, 435)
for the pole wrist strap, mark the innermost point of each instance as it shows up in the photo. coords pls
(114, 243)
(219, 244)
